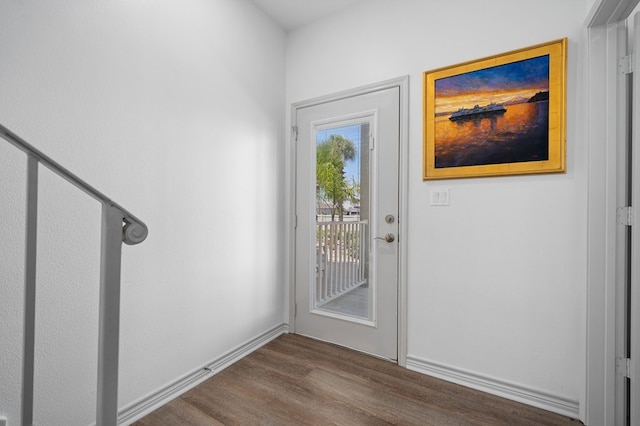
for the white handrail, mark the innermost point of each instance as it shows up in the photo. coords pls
(118, 226)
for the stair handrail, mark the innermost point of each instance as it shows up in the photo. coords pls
(118, 226)
(134, 232)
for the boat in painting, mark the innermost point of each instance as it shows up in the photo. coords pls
(478, 111)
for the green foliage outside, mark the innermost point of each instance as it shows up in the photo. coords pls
(333, 189)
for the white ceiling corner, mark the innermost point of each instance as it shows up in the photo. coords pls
(292, 14)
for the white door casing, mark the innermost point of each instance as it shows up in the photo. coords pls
(634, 305)
(604, 42)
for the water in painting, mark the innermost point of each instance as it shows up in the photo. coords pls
(493, 116)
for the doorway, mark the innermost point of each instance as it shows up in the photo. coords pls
(608, 395)
(348, 208)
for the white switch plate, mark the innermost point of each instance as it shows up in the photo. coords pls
(439, 197)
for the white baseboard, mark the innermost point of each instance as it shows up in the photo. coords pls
(156, 399)
(546, 401)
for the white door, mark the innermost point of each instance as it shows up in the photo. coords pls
(346, 265)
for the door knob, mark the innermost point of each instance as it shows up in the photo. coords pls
(388, 238)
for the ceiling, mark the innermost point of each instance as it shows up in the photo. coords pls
(291, 14)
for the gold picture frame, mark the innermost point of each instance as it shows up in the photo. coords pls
(496, 116)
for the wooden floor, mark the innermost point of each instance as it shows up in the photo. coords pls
(294, 380)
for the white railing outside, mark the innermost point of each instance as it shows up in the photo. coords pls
(340, 254)
(118, 226)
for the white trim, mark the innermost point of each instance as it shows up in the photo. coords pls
(635, 263)
(403, 84)
(403, 224)
(513, 391)
(290, 222)
(162, 396)
(604, 43)
(599, 386)
(369, 117)
(610, 11)
(363, 90)
(615, 386)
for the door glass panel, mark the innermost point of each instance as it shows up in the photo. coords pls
(342, 221)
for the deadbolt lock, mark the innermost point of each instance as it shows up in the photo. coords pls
(389, 218)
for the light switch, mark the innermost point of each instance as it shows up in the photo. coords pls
(439, 197)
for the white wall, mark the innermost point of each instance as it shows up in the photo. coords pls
(496, 281)
(173, 109)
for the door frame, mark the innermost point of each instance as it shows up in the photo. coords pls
(605, 40)
(402, 83)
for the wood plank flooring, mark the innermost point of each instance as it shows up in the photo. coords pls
(295, 380)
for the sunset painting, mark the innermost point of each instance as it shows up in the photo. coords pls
(500, 115)
(494, 115)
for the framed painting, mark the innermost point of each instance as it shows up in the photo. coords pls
(501, 115)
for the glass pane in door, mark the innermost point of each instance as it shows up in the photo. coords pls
(342, 221)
